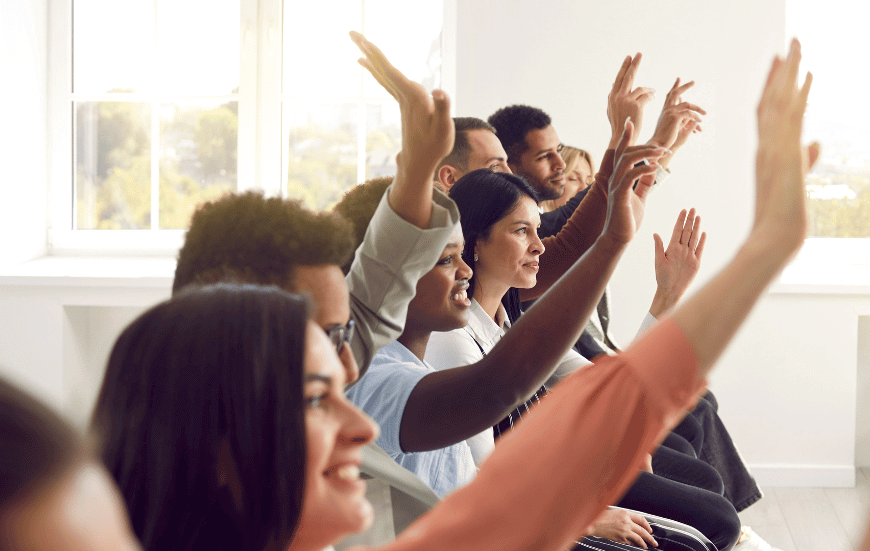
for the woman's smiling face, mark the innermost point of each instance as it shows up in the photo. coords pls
(508, 257)
(336, 431)
(441, 302)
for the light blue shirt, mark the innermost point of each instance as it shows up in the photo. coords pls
(382, 393)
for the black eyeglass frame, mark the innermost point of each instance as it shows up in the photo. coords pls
(341, 334)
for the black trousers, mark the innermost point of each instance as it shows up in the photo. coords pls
(708, 512)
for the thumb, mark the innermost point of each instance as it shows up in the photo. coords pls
(813, 151)
(442, 102)
(659, 247)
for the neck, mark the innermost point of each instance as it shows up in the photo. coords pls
(489, 297)
(415, 339)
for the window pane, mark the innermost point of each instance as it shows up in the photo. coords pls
(839, 186)
(414, 48)
(198, 46)
(383, 138)
(198, 150)
(113, 165)
(112, 45)
(321, 160)
(319, 58)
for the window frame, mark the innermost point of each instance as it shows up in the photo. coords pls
(261, 154)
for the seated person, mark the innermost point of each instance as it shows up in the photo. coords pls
(53, 493)
(278, 444)
(249, 238)
(579, 174)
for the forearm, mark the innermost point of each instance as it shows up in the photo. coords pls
(706, 319)
(663, 301)
(577, 236)
(467, 400)
(411, 194)
(552, 515)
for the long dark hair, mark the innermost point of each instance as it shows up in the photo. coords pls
(216, 366)
(485, 197)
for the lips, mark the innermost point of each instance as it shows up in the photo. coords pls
(531, 265)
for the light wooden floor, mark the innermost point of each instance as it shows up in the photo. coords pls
(813, 519)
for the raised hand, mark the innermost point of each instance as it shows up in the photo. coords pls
(677, 266)
(677, 121)
(626, 201)
(427, 134)
(781, 163)
(623, 102)
(427, 129)
(623, 526)
(711, 317)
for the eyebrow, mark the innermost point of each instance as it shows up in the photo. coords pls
(317, 377)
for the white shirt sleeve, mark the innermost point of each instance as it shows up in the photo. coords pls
(383, 394)
(648, 321)
(383, 277)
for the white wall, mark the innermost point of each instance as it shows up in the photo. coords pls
(23, 141)
(787, 384)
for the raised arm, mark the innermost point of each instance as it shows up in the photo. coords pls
(625, 102)
(427, 135)
(677, 266)
(612, 414)
(780, 223)
(411, 227)
(677, 121)
(570, 230)
(469, 399)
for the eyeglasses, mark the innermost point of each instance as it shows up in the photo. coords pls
(340, 334)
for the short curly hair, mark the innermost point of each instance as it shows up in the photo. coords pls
(248, 238)
(513, 122)
(358, 206)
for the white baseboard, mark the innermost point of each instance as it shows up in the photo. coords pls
(804, 476)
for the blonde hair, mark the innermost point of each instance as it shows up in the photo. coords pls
(572, 157)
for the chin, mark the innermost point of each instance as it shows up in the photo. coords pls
(330, 524)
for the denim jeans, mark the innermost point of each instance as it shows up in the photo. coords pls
(708, 436)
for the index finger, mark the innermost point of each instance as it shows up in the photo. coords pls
(379, 66)
(639, 519)
(676, 235)
(617, 84)
(628, 80)
(678, 90)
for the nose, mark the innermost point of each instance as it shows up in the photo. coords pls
(357, 428)
(560, 163)
(463, 270)
(351, 370)
(536, 246)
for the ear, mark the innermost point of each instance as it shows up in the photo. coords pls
(447, 175)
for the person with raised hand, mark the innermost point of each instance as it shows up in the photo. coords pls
(427, 134)
(664, 368)
(678, 120)
(286, 373)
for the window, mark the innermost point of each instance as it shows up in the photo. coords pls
(834, 39)
(159, 105)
